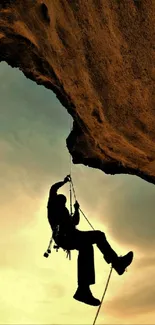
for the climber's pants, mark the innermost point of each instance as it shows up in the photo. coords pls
(83, 241)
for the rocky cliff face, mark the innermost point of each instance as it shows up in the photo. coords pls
(98, 56)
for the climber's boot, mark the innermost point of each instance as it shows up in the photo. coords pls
(122, 262)
(85, 295)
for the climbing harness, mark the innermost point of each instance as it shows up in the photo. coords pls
(48, 251)
(56, 247)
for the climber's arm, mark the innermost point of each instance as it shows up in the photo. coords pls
(76, 215)
(56, 186)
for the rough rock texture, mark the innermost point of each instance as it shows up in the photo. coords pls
(98, 56)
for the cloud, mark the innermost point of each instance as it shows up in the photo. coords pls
(130, 213)
(145, 262)
(136, 300)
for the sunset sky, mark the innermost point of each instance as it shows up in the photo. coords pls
(33, 155)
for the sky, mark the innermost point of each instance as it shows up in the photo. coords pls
(33, 155)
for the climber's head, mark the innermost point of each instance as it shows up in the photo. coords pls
(61, 199)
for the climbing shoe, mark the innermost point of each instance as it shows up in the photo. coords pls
(121, 263)
(85, 295)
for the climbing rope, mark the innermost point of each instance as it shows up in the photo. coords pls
(71, 212)
(70, 172)
(106, 287)
(72, 186)
(79, 208)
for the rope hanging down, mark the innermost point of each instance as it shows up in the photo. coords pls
(106, 287)
(79, 208)
(72, 186)
(70, 171)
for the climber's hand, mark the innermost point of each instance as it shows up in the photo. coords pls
(76, 205)
(67, 179)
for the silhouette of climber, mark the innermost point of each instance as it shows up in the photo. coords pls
(68, 237)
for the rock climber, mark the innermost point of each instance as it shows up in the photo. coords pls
(68, 237)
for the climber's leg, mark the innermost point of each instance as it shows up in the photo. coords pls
(110, 256)
(86, 276)
(86, 269)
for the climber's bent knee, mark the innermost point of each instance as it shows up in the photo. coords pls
(100, 235)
